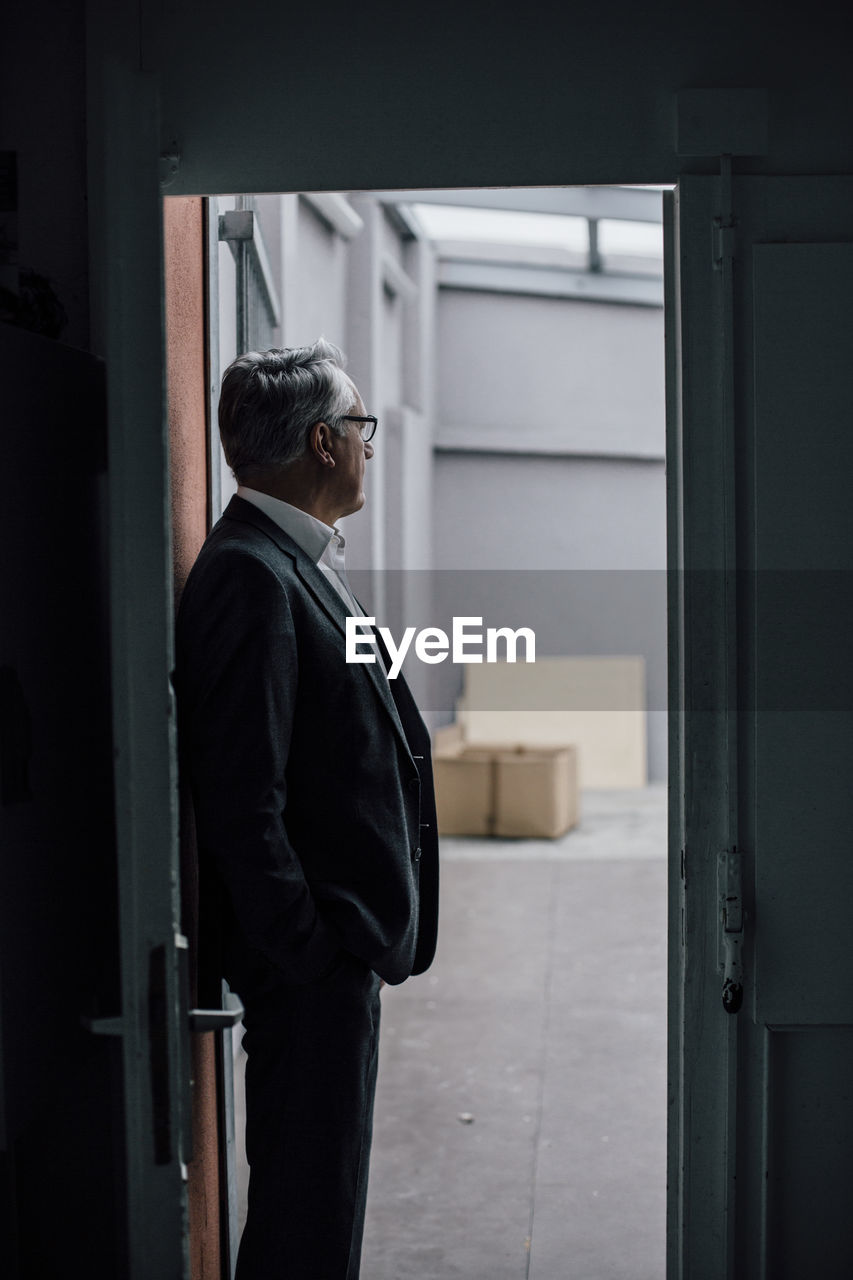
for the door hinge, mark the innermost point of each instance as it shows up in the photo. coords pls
(730, 883)
(723, 241)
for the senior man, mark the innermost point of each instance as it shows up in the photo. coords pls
(312, 789)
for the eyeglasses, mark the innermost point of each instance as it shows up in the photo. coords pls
(368, 424)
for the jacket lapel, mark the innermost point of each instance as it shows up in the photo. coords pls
(317, 584)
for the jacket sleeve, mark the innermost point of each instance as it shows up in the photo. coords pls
(236, 676)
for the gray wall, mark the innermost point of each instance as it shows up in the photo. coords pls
(565, 529)
(581, 376)
(317, 259)
(497, 511)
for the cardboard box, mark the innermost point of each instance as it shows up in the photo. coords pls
(536, 792)
(504, 790)
(463, 792)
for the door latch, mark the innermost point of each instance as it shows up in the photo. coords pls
(731, 920)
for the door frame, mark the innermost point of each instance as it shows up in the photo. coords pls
(129, 332)
(703, 727)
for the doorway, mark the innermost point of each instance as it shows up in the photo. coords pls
(380, 283)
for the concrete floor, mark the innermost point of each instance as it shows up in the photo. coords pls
(520, 1111)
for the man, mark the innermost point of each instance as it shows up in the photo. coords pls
(315, 815)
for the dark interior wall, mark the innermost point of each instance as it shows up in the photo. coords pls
(60, 1156)
(43, 120)
(61, 1162)
(342, 96)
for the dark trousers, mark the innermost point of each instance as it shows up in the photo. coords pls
(310, 1081)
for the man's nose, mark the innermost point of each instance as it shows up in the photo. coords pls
(368, 449)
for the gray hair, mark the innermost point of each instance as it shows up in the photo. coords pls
(270, 400)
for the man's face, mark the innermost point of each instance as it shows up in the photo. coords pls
(351, 454)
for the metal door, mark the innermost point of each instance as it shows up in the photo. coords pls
(760, 380)
(149, 1026)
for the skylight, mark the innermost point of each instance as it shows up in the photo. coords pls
(618, 238)
(455, 222)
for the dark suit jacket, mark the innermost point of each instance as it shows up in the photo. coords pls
(311, 780)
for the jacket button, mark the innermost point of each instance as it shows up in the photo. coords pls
(414, 782)
(416, 855)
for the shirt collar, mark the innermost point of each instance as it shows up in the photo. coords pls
(309, 533)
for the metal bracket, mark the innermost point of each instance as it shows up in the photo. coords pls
(732, 917)
(241, 231)
(723, 243)
(237, 225)
(723, 226)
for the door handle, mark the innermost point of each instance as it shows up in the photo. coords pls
(205, 1019)
(162, 1049)
(196, 1020)
(218, 1019)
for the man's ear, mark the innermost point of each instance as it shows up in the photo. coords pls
(320, 444)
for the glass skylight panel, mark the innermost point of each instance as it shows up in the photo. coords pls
(502, 226)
